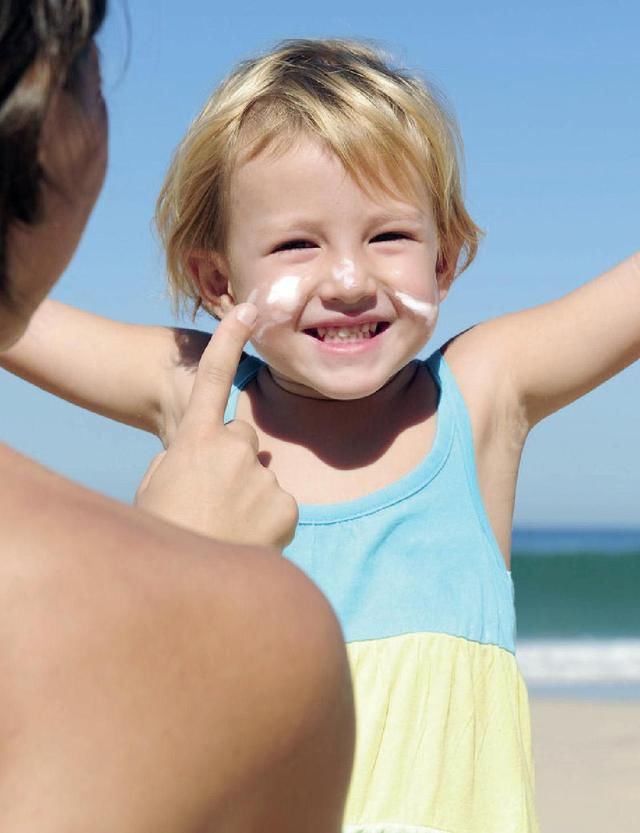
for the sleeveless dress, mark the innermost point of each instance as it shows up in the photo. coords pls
(421, 590)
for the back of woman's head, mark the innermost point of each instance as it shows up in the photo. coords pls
(41, 46)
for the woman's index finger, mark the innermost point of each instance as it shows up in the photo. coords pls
(217, 368)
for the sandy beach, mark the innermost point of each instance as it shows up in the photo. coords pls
(587, 757)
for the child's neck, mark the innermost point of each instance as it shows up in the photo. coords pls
(344, 434)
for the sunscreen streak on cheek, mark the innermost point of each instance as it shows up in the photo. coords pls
(278, 306)
(284, 292)
(419, 307)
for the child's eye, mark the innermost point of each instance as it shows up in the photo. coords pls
(390, 236)
(290, 245)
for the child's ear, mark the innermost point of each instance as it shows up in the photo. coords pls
(445, 272)
(210, 274)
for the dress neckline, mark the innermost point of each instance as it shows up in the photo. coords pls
(416, 479)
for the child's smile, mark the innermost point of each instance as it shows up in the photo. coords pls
(352, 335)
(345, 282)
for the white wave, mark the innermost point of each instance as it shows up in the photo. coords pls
(558, 662)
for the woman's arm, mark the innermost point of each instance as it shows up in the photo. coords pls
(127, 372)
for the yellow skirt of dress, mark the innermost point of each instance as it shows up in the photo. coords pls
(443, 738)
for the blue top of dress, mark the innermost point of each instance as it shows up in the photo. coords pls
(418, 555)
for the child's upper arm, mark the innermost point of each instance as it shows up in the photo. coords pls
(122, 371)
(557, 352)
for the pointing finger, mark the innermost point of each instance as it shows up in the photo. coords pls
(218, 366)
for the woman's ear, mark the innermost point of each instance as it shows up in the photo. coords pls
(210, 275)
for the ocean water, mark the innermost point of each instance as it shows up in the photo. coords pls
(578, 607)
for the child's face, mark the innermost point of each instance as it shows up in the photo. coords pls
(345, 283)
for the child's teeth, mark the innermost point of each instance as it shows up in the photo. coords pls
(346, 333)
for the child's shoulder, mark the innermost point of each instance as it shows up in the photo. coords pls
(477, 358)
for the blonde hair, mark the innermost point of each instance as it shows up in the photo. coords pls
(387, 128)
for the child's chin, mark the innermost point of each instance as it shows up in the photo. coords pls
(350, 393)
(343, 387)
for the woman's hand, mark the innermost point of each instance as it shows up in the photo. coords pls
(210, 479)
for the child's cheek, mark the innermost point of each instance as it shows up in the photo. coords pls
(284, 293)
(417, 294)
(423, 309)
(276, 303)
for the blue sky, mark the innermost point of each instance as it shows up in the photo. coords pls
(547, 98)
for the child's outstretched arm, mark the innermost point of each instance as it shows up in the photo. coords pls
(122, 371)
(555, 353)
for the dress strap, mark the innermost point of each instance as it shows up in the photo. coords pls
(450, 392)
(247, 370)
(457, 408)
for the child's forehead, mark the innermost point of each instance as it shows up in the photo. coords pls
(384, 181)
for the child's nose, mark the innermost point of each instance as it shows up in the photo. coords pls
(347, 281)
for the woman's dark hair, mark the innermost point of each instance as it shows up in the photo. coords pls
(42, 43)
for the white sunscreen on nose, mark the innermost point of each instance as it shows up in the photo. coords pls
(424, 309)
(344, 273)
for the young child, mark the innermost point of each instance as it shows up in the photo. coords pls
(322, 185)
